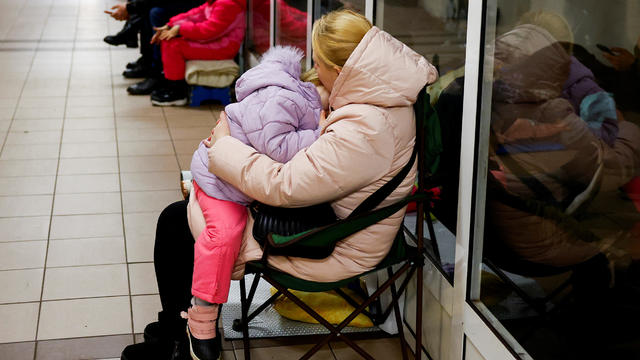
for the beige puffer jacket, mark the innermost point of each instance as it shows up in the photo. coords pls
(367, 139)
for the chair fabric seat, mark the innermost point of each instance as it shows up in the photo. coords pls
(399, 252)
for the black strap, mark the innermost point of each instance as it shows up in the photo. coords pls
(376, 198)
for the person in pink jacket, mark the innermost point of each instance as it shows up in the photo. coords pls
(368, 137)
(212, 31)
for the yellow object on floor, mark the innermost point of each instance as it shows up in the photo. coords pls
(329, 305)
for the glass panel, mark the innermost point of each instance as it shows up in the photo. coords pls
(330, 5)
(437, 30)
(291, 23)
(258, 29)
(562, 212)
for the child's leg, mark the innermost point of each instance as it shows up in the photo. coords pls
(177, 51)
(217, 247)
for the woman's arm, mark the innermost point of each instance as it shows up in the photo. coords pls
(352, 153)
(186, 15)
(224, 13)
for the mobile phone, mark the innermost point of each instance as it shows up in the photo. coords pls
(605, 49)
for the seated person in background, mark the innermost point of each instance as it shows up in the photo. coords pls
(589, 101)
(158, 15)
(212, 31)
(278, 115)
(365, 141)
(541, 150)
(142, 16)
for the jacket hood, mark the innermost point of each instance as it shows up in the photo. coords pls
(381, 71)
(531, 66)
(279, 66)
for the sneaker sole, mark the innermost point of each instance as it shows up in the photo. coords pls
(181, 102)
(193, 355)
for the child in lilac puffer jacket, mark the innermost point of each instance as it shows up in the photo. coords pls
(277, 114)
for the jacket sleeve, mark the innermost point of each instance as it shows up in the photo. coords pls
(351, 154)
(136, 6)
(279, 138)
(186, 15)
(223, 15)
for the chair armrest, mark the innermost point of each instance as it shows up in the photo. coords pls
(330, 234)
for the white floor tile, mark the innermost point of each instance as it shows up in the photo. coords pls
(19, 322)
(92, 251)
(85, 281)
(80, 318)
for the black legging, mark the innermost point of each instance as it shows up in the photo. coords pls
(173, 260)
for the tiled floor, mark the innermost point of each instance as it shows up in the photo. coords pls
(85, 170)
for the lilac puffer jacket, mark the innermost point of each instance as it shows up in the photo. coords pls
(276, 113)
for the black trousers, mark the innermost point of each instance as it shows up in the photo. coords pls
(173, 261)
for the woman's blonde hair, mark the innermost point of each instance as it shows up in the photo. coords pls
(554, 23)
(336, 34)
(311, 76)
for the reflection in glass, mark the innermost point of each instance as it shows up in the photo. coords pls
(437, 30)
(331, 5)
(562, 214)
(291, 23)
(258, 31)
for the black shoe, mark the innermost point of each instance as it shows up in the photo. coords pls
(144, 87)
(127, 36)
(140, 71)
(210, 349)
(169, 96)
(139, 62)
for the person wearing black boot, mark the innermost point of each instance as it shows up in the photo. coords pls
(128, 35)
(212, 31)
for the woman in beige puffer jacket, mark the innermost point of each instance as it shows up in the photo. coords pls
(367, 138)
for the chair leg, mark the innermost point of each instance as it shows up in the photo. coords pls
(419, 286)
(245, 324)
(395, 298)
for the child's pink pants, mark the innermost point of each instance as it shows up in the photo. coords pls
(217, 247)
(175, 53)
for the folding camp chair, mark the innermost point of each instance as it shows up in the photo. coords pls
(499, 258)
(410, 260)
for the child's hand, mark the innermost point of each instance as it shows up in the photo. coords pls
(171, 33)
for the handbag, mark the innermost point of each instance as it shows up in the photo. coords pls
(290, 221)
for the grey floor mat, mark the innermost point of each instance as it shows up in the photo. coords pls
(269, 323)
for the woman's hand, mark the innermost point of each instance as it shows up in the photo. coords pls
(622, 60)
(221, 130)
(119, 12)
